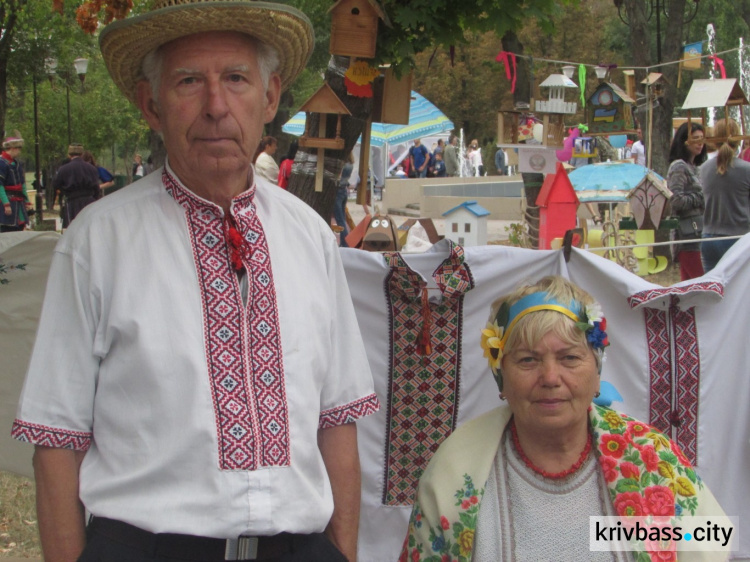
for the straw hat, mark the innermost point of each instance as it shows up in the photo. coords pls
(126, 42)
(75, 149)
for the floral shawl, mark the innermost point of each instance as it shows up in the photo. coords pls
(645, 472)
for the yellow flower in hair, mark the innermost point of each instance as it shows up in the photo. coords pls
(492, 345)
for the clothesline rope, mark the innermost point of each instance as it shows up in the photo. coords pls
(646, 68)
(669, 243)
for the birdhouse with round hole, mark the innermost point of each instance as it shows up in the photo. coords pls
(354, 28)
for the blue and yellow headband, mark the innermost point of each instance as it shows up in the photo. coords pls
(588, 319)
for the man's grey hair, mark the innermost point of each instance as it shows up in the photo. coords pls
(268, 62)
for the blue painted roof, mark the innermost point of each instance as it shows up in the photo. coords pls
(472, 206)
(607, 181)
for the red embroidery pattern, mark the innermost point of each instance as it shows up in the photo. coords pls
(423, 391)
(660, 360)
(350, 412)
(674, 387)
(687, 371)
(50, 436)
(243, 346)
(653, 294)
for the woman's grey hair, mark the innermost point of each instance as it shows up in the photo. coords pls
(268, 62)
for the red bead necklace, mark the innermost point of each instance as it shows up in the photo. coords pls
(550, 475)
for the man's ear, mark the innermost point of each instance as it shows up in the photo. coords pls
(147, 104)
(273, 95)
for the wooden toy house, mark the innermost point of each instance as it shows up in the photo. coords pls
(655, 85)
(323, 102)
(717, 93)
(609, 110)
(648, 201)
(354, 28)
(558, 206)
(553, 109)
(466, 224)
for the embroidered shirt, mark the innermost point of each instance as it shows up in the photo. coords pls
(200, 414)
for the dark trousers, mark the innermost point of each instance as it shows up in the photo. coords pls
(306, 548)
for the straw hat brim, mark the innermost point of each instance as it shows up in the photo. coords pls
(126, 42)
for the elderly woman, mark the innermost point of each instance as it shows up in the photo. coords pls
(520, 482)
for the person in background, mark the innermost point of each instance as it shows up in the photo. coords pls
(474, 156)
(500, 162)
(285, 168)
(419, 158)
(265, 165)
(726, 189)
(452, 168)
(438, 170)
(638, 150)
(149, 164)
(139, 170)
(13, 197)
(687, 152)
(490, 489)
(106, 180)
(342, 196)
(78, 183)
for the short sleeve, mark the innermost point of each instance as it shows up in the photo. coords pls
(56, 406)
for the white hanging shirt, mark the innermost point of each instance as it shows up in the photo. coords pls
(200, 414)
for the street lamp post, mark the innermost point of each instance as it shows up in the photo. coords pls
(37, 166)
(81, 66)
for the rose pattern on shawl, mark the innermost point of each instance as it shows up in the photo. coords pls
(449, 543)
(653, 479)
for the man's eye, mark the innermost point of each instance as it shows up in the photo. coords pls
(188, 80)
(236, 78)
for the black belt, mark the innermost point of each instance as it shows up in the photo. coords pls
(189, 547)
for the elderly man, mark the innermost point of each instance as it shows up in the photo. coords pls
(451, 157)
(202, 404)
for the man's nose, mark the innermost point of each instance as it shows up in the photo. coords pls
(216, 105)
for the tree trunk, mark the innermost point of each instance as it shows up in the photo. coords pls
(302, 181)
(8, 20)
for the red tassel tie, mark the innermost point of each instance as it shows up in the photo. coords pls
(236, 243)
(424, 345)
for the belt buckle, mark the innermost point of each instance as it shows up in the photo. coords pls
(241, 548)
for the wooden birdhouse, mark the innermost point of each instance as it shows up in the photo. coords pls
(392, 99)
(558, 206)
(655, 85)
(648, 201)
(609, 110)
(554, 108)
(717, 93)
(515, 126)
(354, 28)
(324, 102)
(629, 82)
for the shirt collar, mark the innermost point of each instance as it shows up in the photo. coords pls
(190, 201)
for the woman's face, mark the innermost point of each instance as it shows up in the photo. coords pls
(550, 387)
(271, 148)
(695, 144)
